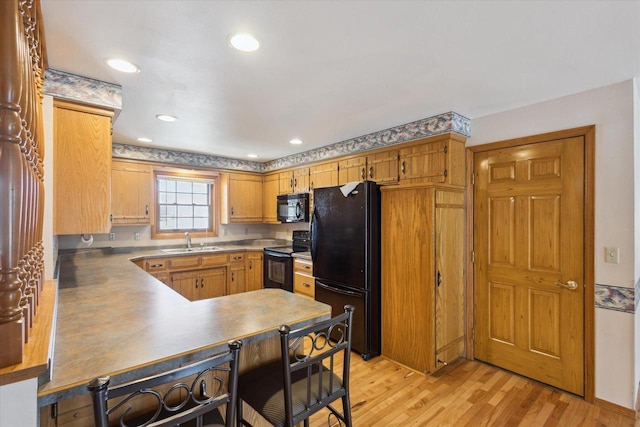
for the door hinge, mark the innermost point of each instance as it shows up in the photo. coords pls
(473, 334)
(473, 179)
(473, 256)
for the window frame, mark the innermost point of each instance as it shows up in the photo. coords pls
(214, 218)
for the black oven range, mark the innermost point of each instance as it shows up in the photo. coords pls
(278, 262)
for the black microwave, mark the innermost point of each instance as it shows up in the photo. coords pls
(293, 207)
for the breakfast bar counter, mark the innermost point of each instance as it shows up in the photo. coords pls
(115, 319)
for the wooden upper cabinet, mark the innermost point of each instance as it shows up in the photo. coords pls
(270, 191)
(382, 167)
(323, 175)
(131, 192)
(294, 181)
(241, 198)
(81, 169)
(436, 160)
(352, 169)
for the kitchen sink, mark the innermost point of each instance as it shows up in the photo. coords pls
(195, 249)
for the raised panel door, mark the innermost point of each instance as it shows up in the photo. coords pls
(301, 180)
(529, 252)
(243, 193)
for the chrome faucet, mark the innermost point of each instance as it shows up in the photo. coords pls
(188, 236)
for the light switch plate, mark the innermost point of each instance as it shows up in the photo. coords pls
(612, 255)
(136, 236)
(112, 236)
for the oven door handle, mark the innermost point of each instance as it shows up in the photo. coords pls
(339, 291)
(271, 254)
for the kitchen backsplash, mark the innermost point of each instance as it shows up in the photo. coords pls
(126, 236)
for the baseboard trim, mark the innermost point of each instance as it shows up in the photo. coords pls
(616, 408)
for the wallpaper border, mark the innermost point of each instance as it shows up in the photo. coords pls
(616, 298)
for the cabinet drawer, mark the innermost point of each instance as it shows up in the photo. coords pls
(304, 284)
(239, 257)
(217, 259)
(303, 266)
(184, 262)
(155, 264)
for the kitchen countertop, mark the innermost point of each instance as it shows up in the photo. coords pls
(302, 255)
(115, 319)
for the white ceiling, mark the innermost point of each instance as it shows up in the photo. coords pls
(328, 71)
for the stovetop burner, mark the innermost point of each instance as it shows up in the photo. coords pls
(301, 243)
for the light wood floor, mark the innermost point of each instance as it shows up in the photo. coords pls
(466, 393)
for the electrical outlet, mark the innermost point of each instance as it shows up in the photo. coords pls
(136, 236)
(612, 255)
(112, 236)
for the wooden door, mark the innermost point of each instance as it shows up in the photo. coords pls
(254, 271)
(245, 198)
(270, 191)
(529, 252)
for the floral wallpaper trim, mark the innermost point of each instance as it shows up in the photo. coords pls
(436, 125)
(615, 298)
(77, 88)
(183, 158)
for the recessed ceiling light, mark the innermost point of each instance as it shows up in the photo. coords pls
(166, 118)
(244, 42)
(143, 139)
(122, 65)
(295, 141)
(253, 156)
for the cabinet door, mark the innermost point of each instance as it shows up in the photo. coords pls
(449, 264)
(301, 180)
(242, 198)
(286, 182)
(383, 167)
(211, 282)
(130, 193)
(237, 282)
(353, 169)
(270, 191)
(82, 169)
(185, 284)
(324, 175)
(407, 279)
(254, 271)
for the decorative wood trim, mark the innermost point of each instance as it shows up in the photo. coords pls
(588, 133)
(21, 174)
(39, 350)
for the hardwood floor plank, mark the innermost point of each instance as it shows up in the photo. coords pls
(465, 393)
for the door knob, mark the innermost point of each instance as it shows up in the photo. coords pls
(571, 285)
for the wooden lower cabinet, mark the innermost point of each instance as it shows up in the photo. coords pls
(237, 277)
(303, 280)
(423, 275)
(254, 271)
(201, 284)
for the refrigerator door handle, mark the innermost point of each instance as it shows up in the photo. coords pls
(338, 291)
(313, 228)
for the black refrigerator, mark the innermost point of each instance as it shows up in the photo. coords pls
(345, 248)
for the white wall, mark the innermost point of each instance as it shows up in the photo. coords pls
(19, 404)
(611, 109)
(48, 240)
(636, 180)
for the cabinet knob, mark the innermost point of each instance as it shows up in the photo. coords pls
(362, 174)
(306, 285)
(370, 171)
(250, 265)
(233, 277)
(232, 210)
(403, 168)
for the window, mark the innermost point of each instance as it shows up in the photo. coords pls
(185, 202)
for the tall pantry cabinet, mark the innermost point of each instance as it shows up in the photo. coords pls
(423, 274)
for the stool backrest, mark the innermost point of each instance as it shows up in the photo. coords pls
(184, 397)
(321, 353)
